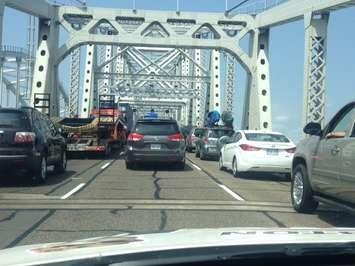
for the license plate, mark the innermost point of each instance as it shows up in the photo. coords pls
(76, 147)
(155, 146)
(272, 152)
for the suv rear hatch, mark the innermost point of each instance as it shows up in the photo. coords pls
(11, 122)
(156, 135)
(215, 133)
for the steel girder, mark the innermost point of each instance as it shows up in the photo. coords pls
(229, 83)
(74, 83)
(315, 70)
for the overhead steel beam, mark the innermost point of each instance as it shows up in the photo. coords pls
(296, 9)
(38, 8)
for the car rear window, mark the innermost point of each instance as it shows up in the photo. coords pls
(13, 119)
(217, 133)
(156, 128)
(266, 137)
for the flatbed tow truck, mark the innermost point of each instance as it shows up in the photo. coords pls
(104, 131)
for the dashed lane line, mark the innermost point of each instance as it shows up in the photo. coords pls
(106, 165)
(71, 192)
(230, 192)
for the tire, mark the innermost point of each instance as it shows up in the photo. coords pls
(235, 167)
(203, 156)
(301, 191)
(40, 173)
(61, 166)
(188, 149)
(108, 150)
(220, 163)
(130, 165)
(197, 154)
(180, 165)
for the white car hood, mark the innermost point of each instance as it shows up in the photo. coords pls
(180, 239)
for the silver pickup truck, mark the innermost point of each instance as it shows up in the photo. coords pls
(323, 167)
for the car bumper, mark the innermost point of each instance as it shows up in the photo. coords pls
(149, 156)
(279, 165)
(22, 161)
(210, 151)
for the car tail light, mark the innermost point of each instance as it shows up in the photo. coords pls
(205, 140)
(176, 137)
(247, 147)
(25, 137)
(135, 137)
(291, 150)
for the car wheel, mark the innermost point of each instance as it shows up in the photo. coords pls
(203, 155)
(130, 165)
(62, 164)
(220, 163)
(181, 165)
(301, 191)
(197, 154)
(235, 167)
(40, 173)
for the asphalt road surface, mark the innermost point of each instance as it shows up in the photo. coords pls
(97, 197)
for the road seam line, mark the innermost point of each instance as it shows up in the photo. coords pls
(230, 192)
(71, 192)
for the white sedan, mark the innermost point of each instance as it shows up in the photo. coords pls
(257, 151)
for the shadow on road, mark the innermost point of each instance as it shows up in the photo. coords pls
(259, 176)
(337, 218)
(22, 179)
(161, 167)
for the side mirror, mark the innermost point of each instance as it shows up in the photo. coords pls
(335, 135)
(313, 129)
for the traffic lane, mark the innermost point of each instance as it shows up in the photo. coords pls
(152, 181)
(18, 183)
(68, 225)
(250, 186)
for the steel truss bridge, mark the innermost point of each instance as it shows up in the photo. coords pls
(170, 61)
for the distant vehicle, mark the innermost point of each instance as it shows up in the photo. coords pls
(257, 151)
(206, 143)
(30, 141)
(155, 140)
(192, 138)
(323, 168)
(103, 131)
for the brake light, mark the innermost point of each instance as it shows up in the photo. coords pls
(205, 140)
(25, 137)
(291, 150)
(135, 137)
(247, 147)
(176, 137)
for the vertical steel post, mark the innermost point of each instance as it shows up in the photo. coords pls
(18, 70)
(314, 89)
(215, 87)
(1, 80)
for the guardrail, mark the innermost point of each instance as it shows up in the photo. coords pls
(256, 6)
(13, 51)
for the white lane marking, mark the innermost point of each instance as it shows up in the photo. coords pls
(71, 192)
(230, 192)
(105, 165)
(195, 166)
(122, 152)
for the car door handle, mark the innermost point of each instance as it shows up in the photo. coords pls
(335, 150)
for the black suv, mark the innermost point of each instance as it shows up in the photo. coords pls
(156, 140)
(29, 140)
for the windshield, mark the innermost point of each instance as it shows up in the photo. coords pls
(266, 137)
(217, 133)
(13, 119)
(156, 128)
(157, 116)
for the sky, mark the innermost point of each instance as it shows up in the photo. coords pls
(286, 58)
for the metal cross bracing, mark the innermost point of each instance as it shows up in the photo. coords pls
(230, 83)
(74, 83)
(183, 31)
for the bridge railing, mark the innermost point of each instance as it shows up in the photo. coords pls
(256, 6)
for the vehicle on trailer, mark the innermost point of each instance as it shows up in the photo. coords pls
(155, 140)
(323, 165)
(103, 131)
(30, 141)
(206, 142)
(257, 151)
(192, 138)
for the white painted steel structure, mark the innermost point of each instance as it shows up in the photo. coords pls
(158, 55)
